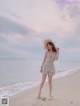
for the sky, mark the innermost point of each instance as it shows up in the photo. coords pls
(25, 24)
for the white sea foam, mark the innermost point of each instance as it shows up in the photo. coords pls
(11, 90)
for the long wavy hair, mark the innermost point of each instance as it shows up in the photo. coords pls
(53, 46)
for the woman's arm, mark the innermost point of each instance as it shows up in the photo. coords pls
(44, 58)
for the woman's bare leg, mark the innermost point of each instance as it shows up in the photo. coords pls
(50, 85)
(42, 83)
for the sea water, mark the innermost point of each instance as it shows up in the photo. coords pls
(17, 75)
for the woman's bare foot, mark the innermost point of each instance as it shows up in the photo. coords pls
(50, 98)
(41, 98)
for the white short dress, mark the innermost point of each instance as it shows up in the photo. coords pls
(48, 66)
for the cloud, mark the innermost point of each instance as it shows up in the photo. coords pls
(8, 26)
(44, 16)
(38, 20)
(15, 47)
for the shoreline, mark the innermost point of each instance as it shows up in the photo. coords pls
(13, 89)
(65, 90)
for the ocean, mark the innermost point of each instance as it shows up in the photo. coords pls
(17, 75)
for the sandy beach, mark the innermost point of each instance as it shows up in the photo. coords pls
(66, 92)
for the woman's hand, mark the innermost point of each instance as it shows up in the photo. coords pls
(57, 49)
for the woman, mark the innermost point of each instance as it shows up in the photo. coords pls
(47, 67)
